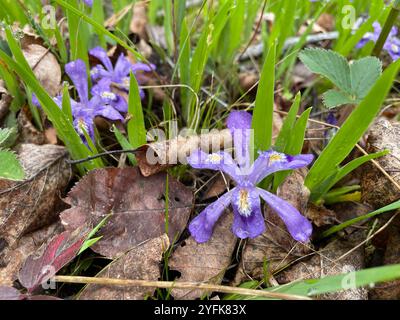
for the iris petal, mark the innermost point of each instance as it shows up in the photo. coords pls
(122, 68)
(270, 161)
(202, 226)
(239, 123)
(76, 70)
(298, 226)
(101, 54)
(215, 161)
(248, 221)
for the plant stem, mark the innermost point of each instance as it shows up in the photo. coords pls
(391, 19)
(178, 285)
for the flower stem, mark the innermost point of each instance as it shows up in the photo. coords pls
(391, 19)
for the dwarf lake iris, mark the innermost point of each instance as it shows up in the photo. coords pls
(105, 74)
(245, 197)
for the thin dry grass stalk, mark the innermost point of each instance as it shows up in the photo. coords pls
(180, 285)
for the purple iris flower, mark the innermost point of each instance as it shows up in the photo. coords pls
(88, 2)
(392, 44)
(86, 109)
(245, 197)
(105, 75)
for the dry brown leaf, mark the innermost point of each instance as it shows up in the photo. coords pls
(349, 210)
(5, 100)
(326, 21)
(29, 205)
(45, 67)
(141, 262)
(168, 152)
(247, 80)
(275, 246)
(51, 135)
(319, 215)
(217, 187)
(390, 290)
(27, 131)
(139, 20)
(325, 263)
(137, 205)
(378, 190)
(27, 245)
(204, 262)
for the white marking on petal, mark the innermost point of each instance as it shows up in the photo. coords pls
(108, 95)
(126, 82)
(244, 203)
(94, 71)
(82, 126)
(276, 157)
(395, 48)
(214, 158)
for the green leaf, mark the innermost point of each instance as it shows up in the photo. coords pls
(352, 130)
(336, 283)
(364, 73)
(8, 137)
(295, 145)
(61, 122)
(340, 173)
(123, 141)
(78, 35)
(354, 80)
(136, 127)
(329, 64)
(89, 239)
(184, 66)
(390, 207)
(333, 98)
(264, 105)
(99, 28)
(88, 243)
(10, 168)
(341, 194)
(285, 133)
(330, 284)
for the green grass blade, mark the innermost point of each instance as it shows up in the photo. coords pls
(348, 223)
(295, 144)
(123, 141)
(100, 28)
(63, 125)
(285, 133)
(136, 127)
(335, 283)
(264, 105)
(352, 130)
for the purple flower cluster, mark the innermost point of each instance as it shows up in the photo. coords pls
(104, 101)
(245, 197)
(86, 109)
(392, 44)
(105, 75)
(88, 2)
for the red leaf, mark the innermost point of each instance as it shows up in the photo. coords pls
(43, 297)
(61, 250)
(10, 293)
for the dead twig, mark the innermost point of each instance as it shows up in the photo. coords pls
(180, 285)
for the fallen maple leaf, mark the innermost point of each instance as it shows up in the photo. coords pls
(137, 205)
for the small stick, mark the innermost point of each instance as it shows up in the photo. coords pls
(102, 155)
(180, 285)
